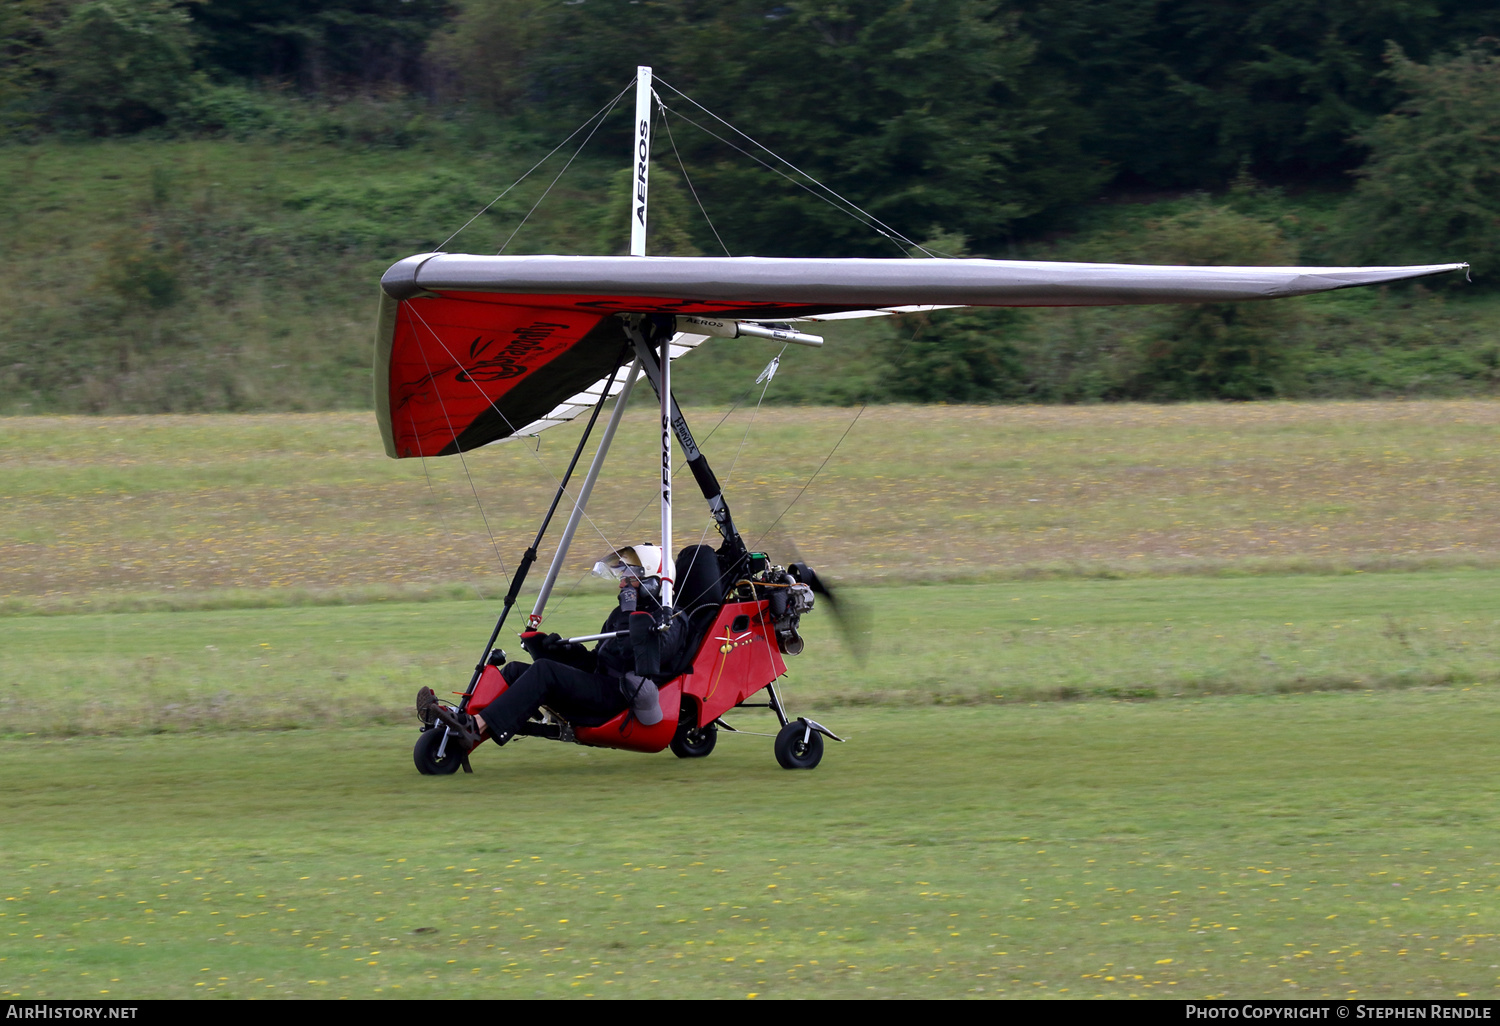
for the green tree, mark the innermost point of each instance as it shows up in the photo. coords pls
(1430, 191)
(485, 51)
(669, 222)
(1216, 350)
(1183, 92)
(922, 114)
(319, 45)
(955, 356)
(26, 28)
(121, 65)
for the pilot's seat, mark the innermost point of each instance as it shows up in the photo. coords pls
(701, 585)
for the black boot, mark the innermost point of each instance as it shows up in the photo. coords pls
(466, 727)
(426, 704)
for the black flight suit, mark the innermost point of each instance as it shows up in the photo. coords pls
(574, 682)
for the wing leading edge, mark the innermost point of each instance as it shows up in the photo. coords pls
(476, 349)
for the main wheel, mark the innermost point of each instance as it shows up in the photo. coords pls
(425, 753)
(693, 742)
(795, 753)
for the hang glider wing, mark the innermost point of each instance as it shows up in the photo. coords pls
(471, 350)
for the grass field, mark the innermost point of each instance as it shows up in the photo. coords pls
(273, 250)
(1281, 622)
(105, 508)
(1005, 643)
(1304, 846)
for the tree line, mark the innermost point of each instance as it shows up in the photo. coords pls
(995, 119)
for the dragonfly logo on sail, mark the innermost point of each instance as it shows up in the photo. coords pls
(510, 361)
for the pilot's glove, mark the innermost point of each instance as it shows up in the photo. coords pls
(536, 643)
(552, 646)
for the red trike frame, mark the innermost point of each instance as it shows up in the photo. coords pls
(731, 666)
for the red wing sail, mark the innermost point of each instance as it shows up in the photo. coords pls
(463, 373)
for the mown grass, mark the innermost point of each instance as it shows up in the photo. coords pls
(1003, 643)
(1297, 846)
(222, 571)
(305, 504)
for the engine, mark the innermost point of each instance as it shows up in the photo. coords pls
(788, 592)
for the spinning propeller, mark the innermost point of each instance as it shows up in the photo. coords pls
(852, 618)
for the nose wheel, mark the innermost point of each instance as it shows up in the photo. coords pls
(799, 745)
(425, 753)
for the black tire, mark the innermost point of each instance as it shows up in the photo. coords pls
(424, 753)
(793, 752)
(693, 742)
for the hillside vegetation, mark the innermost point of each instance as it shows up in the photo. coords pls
(199, 202)
(222, 275)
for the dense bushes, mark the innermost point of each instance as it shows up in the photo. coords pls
(955, 356)
(120, 66)
(1216, 350)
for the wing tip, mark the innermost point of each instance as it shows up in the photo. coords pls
(400, 279)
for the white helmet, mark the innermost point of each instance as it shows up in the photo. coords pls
(642, 561)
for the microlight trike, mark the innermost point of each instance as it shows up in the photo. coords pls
(472, 350)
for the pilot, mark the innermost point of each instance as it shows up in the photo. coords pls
(575, 682)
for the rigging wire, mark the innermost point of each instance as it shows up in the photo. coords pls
(486, 518)
(610, 106)
(770, 375)
(597, 119)
(681, 462)
(914, 336)
(555, 178)
(843, 210)
(443, 515)
(815, 473)
(557, 603)
(850, 207)
(844, 205)
(668, 126)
